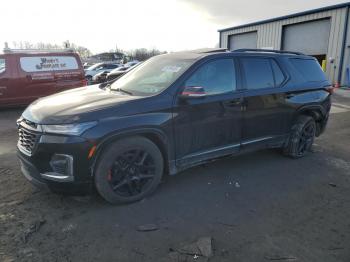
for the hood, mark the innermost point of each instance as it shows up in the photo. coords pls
(72, 105)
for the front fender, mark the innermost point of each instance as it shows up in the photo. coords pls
(156, 127)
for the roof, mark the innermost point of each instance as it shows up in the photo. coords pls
(201, 53)
(194, 54)
(322, 9)
(37, 51)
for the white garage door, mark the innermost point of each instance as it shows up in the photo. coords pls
(311, 38)
(246, 40)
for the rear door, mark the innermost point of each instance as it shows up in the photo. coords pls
(265, 113)
(210, 126)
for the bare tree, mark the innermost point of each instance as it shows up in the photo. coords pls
(142, 54)
(82, 51)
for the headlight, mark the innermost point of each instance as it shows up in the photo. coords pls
(19, 120)
(71, 129)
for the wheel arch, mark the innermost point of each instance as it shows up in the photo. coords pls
(157, 136)
(317, 112)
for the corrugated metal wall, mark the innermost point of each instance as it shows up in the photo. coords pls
(270, 35)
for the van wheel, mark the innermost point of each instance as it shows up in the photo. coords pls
(301, 138)
(128, 170)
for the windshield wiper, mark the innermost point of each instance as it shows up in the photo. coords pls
(108, 86)
(123, 91)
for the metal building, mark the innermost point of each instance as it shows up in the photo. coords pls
(322, 33)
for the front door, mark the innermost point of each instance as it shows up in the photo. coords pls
(209, 126)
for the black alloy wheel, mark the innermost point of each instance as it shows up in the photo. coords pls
(132, 172)
(301, 137)
(307, 138)
(128, 170)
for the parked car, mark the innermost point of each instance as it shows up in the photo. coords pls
(87, 65)
(131, 63)
(26, 75)
(98, 68)
(102, 76)
(173, 112)
(115, 74)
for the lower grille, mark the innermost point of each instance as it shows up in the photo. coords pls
(27, 140)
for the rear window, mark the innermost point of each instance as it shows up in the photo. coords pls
(310, 69)
(48, 63)
(2, 65)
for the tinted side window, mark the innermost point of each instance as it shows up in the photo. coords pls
(310, 69)
(216, 77)
(258, 73)
(2, 65)
(279, 76)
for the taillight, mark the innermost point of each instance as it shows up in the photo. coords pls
(84, 82)
(330, 89)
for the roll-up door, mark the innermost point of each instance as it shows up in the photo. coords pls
(311, 38)
(245, 40)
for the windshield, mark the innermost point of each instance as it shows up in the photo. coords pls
(153, 76)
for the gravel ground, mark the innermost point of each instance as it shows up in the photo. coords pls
(255, 207)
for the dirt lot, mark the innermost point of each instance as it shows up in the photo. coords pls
(256, 207)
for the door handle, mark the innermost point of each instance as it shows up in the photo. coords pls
(1, 90)
(235, 102)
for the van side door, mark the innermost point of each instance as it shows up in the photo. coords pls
(265, 114)
(37, 75)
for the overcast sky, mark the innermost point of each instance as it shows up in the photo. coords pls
(169, 25)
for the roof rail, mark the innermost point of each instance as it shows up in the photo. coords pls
(12, 51)
(209, 50)
(268, 51)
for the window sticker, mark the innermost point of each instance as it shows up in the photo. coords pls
(172, 69)
(48, 63)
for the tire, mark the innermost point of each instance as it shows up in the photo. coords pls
(301, 138)
(129, 170)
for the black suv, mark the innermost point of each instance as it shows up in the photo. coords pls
(172, 112)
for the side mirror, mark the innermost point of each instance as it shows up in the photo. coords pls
(193, 92)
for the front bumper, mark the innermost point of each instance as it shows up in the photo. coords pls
(38, 169)
(31, 173)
